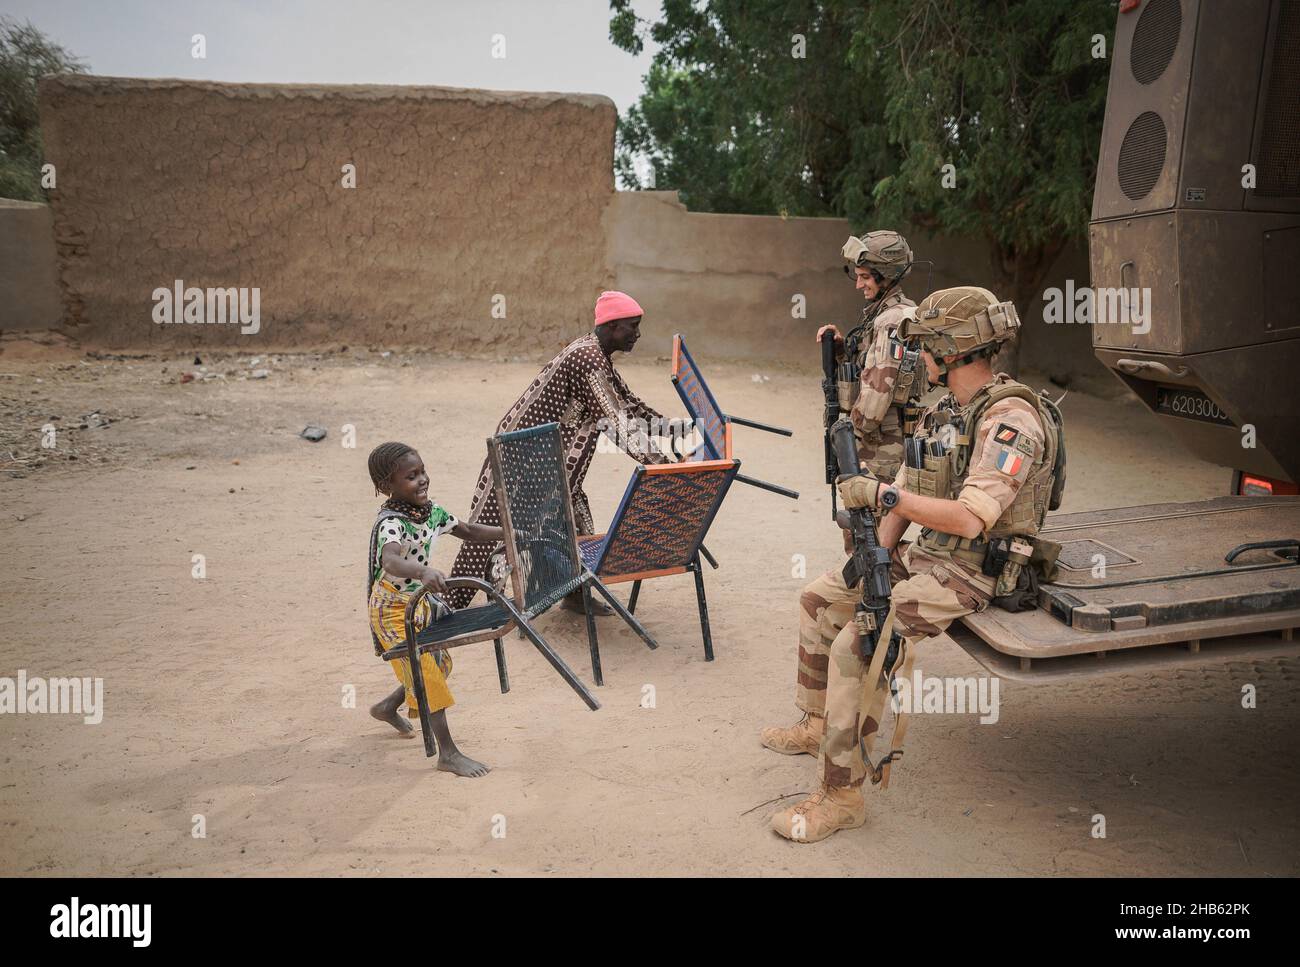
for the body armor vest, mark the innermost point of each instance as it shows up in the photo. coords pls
(942, 446)
(910, 384)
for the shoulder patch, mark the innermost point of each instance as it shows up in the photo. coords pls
(1009, 462)
(1006, 434)
(1026, 446)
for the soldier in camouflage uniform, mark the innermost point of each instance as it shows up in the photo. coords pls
(990, 448)
(880, 401)
(871, 396)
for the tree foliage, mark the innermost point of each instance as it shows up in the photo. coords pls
(1008, 92)
(26, 55)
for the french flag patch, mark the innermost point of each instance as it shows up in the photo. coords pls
(1009, 462)
(897, 348)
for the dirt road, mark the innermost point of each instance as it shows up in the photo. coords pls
(224, 697)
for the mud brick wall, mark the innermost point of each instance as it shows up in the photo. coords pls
(29, 294)
(461, 195)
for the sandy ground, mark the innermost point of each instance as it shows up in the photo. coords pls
(224, 696)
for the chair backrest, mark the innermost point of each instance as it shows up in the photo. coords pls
(664, 517)
(700, 404)
(536, 514)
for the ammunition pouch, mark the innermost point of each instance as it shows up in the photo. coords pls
(909, 416)
(932, 480)
(848, 383)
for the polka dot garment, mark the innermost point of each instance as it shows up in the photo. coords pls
(415, 540)
(576, 389)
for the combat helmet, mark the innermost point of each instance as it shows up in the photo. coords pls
(967, 322)
(885, 253)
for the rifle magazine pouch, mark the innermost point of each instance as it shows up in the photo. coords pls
(932, 480)
(848, 394)
(911, 417)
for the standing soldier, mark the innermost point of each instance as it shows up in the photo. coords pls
(873, 393)
(879, 385)
(980, 475)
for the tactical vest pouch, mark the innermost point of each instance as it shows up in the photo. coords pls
(911, 382)
(1021, 574)
(848, 376)
(910, 416)
(848, 394)
(932, 480)
(1044, 559)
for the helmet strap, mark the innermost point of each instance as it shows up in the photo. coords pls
(984, 352)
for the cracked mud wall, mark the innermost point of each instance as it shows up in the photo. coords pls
(461, 195)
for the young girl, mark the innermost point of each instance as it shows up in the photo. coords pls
(401, 552)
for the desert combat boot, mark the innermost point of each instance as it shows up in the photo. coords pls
(802, 738)
(830, 809)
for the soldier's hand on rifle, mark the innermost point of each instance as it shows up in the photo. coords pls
(860, 490)
(829, 328)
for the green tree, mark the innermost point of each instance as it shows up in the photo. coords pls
(749, 106)
(26, 55)
(1008, 92)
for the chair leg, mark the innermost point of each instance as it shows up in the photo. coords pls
(592, 643)
(422, 700)
(704, 609)
(558, 664)
(502, 675)
(623, 613)
(636, 593)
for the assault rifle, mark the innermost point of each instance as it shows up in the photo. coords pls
(869, 563)
(831, 412)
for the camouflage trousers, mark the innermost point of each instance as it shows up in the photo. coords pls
(929, 593)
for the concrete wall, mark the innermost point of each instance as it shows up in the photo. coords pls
(461, 195)
(29, 289)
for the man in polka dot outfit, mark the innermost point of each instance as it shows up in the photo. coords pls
(582, 391)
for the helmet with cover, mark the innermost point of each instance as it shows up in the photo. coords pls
(885, 253)
(967, 322)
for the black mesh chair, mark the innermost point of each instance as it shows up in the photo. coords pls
(542, 553)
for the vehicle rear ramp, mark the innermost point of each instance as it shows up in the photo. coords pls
(1153, 586)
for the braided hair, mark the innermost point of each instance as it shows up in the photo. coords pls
(383, 461)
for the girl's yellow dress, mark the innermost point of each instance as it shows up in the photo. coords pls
(389, 597)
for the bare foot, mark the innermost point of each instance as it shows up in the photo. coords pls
(385, 712)
(458, 763)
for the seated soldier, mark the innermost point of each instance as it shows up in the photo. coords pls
(988, 476)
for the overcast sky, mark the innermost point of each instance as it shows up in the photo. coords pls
(550, 45)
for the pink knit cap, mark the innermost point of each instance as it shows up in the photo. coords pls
(616, 305)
